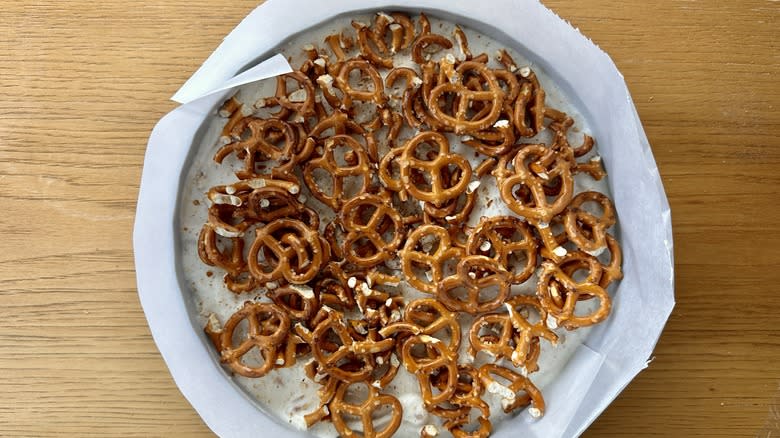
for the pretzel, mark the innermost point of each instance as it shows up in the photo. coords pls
(459, 121)
(432, 261)
(438, 192)
(299, 101)
(300, 302)
(431, 317)
(377, 95)
(233, 262)
(364, 411)
(268, 326)
(529, 107)
(331, 357)
(554, 285)
(360, 229)
(331, 286)
(517, 339)
(510, 400)
(458, 426)
(437, 357)
(425, 41)
(475, 273)
(401, 30)
(284, 250)
(501, 237)
(364, 38)
(338, 174)
(539, 208)
(576, 219)
(612, 271)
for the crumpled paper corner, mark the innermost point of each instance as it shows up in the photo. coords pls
(614, 352)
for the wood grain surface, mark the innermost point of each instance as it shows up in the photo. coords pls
(82, 83)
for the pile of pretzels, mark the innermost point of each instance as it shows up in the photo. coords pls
(371, 142)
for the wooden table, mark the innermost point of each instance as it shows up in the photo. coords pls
(82, 83)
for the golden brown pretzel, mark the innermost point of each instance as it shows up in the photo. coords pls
(364, 411)
(437, 357)
(459, 427)
(555, 166)
(274, 240)
(576, 219)
(300, 101)
(338, 173)
(268, 327)
(612, 271)
(511, 335)
(555, 286)
(509, 393)
(377, 95)
(338, 354)
(365, 39)
(425, 41)
(438, 192)
(360, 229)
(500, 237)
(236, 276)
(460, 121)
(476, 273)
(529, 107)
(432, 261)
(432, 317)
(300, 302)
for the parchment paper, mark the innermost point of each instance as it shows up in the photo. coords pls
(614, 352)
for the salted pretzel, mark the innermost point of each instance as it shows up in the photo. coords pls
(359, 228)
(291, 250)
(415, 254)
(299, 101)
(258, 143)
(459, 121)
(612, 271)
(432, 317)
(475, 275)
(555, 286)
(503, 238)
(376, 95)
(518, 393)
(438, 192)
(339, 174)
(517, 339)
(555, 166)
(434, 356)
(460, 427)
(300, 302)
(346, 359)
(268, 327)
(236, 276)
(372, 47)
(339, 407)
(576, 219)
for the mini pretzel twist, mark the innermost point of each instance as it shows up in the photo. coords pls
(439, 192)
(437, 357)
(459, 121)
(371, 229)
(539, 208)
(555, 286)
(283, 242)
(268, 327)
(359, 169)
(431, 317)
(377, 94)
(502, 238)
(365, 412)
(519, 393)
(577, 219)
(475, 274)
(431, 260)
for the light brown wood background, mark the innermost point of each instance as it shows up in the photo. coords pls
(82, 83)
